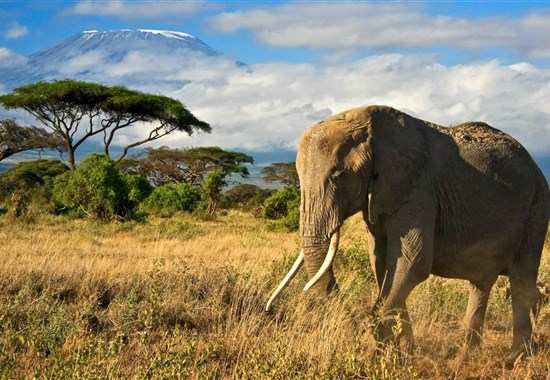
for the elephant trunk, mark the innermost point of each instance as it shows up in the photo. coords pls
(318, 259)
(318, 266)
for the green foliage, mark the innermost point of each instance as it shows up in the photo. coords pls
(212, 189)
(283, 202)
(138, 188)
(29, 175)
(98, 189)
(217, 158)
(284, 206)
(34, 179)
(169, 199)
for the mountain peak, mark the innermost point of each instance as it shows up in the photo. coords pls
(129, 32)
(168, 33)
(121, 38)
(85, 56)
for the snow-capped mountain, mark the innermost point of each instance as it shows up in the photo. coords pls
(130, 57)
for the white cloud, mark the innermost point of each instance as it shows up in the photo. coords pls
(10, 59)
(138, 9)
(379, 25)
(80, 63)
(268, 106)
(16, 31)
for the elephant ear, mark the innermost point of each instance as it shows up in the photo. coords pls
(400, 155)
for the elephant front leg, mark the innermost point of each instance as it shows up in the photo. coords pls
(408, 263)
(392, 323)
(475, 313)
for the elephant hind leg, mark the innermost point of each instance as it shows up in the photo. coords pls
(523, 278)
(525, 296)
(475, 313)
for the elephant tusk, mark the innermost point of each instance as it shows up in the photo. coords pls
(334, 240)
(297, 264)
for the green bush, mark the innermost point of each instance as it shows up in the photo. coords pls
(173, 197)
(284, 206)
(280, 204)
(97, 188)
(138, 188)
(34, 179)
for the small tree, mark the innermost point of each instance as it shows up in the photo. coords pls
(212, 188)
(76, 111)
(202, 160)
(282, 172)
(15, 138)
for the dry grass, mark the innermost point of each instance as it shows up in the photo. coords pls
(181, 298)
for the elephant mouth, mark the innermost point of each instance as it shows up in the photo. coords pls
(327, 263)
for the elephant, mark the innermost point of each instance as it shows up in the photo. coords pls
(465, 202)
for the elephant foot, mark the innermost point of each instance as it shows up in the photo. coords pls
(514, 359)
(473, 340)
(520, 351)
(525, 345)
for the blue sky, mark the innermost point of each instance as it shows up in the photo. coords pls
(443, 61)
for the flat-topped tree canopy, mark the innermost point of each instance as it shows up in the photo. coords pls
(77, 110)
(213, 157)
(164, 165)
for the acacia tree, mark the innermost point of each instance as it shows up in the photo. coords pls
(75, 111)
(164, 165)
(282, 172)
(15, 138)
(161, 166)
(202, 160)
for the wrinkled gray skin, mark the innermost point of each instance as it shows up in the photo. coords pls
(462, 202)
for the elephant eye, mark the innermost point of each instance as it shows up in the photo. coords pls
(337, 174)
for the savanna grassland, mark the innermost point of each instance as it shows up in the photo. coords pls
(183, 298)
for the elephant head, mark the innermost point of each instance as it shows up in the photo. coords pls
(365, 159)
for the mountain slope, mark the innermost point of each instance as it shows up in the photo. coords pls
(118, 56)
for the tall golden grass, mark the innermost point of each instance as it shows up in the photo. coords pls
(184, 298)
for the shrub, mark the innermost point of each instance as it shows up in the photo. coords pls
(138, 188)
(173, 197)
(284, 206)
(34, 179)
(280, 204)
(245, 197)
(98, 189)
